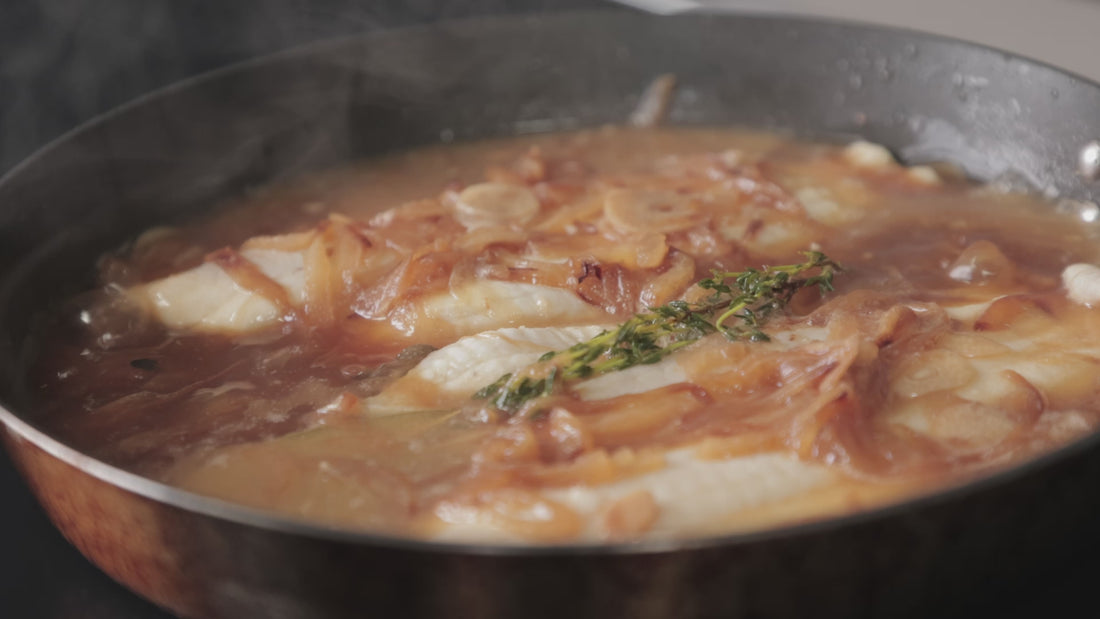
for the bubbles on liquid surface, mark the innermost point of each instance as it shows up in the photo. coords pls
(1088, 160)
(1086, 212)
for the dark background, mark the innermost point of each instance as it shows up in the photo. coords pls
(62, 62)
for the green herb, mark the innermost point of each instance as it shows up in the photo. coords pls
(747, 298)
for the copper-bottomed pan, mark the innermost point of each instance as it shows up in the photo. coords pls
(169, 155)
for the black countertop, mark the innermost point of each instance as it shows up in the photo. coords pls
(64, 61)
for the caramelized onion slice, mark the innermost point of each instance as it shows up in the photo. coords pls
(650, 210)
(982, 263)
(493, 204)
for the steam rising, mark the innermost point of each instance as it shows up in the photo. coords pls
(64, 61)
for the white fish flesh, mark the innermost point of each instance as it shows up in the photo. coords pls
(206, 298)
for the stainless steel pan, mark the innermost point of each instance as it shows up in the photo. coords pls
(172, 154)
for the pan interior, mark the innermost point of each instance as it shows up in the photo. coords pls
(174, 154)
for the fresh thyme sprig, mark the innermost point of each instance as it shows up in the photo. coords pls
(750, 296)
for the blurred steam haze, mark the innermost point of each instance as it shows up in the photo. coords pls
(65, 61)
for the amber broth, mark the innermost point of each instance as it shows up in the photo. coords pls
(122, 389)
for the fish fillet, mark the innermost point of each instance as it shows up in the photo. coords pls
(449, 376)
(690, 494)
(206, 298)
(491, 304)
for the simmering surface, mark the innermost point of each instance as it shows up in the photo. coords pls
(280, 354)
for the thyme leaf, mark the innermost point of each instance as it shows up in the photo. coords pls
(747, 299)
